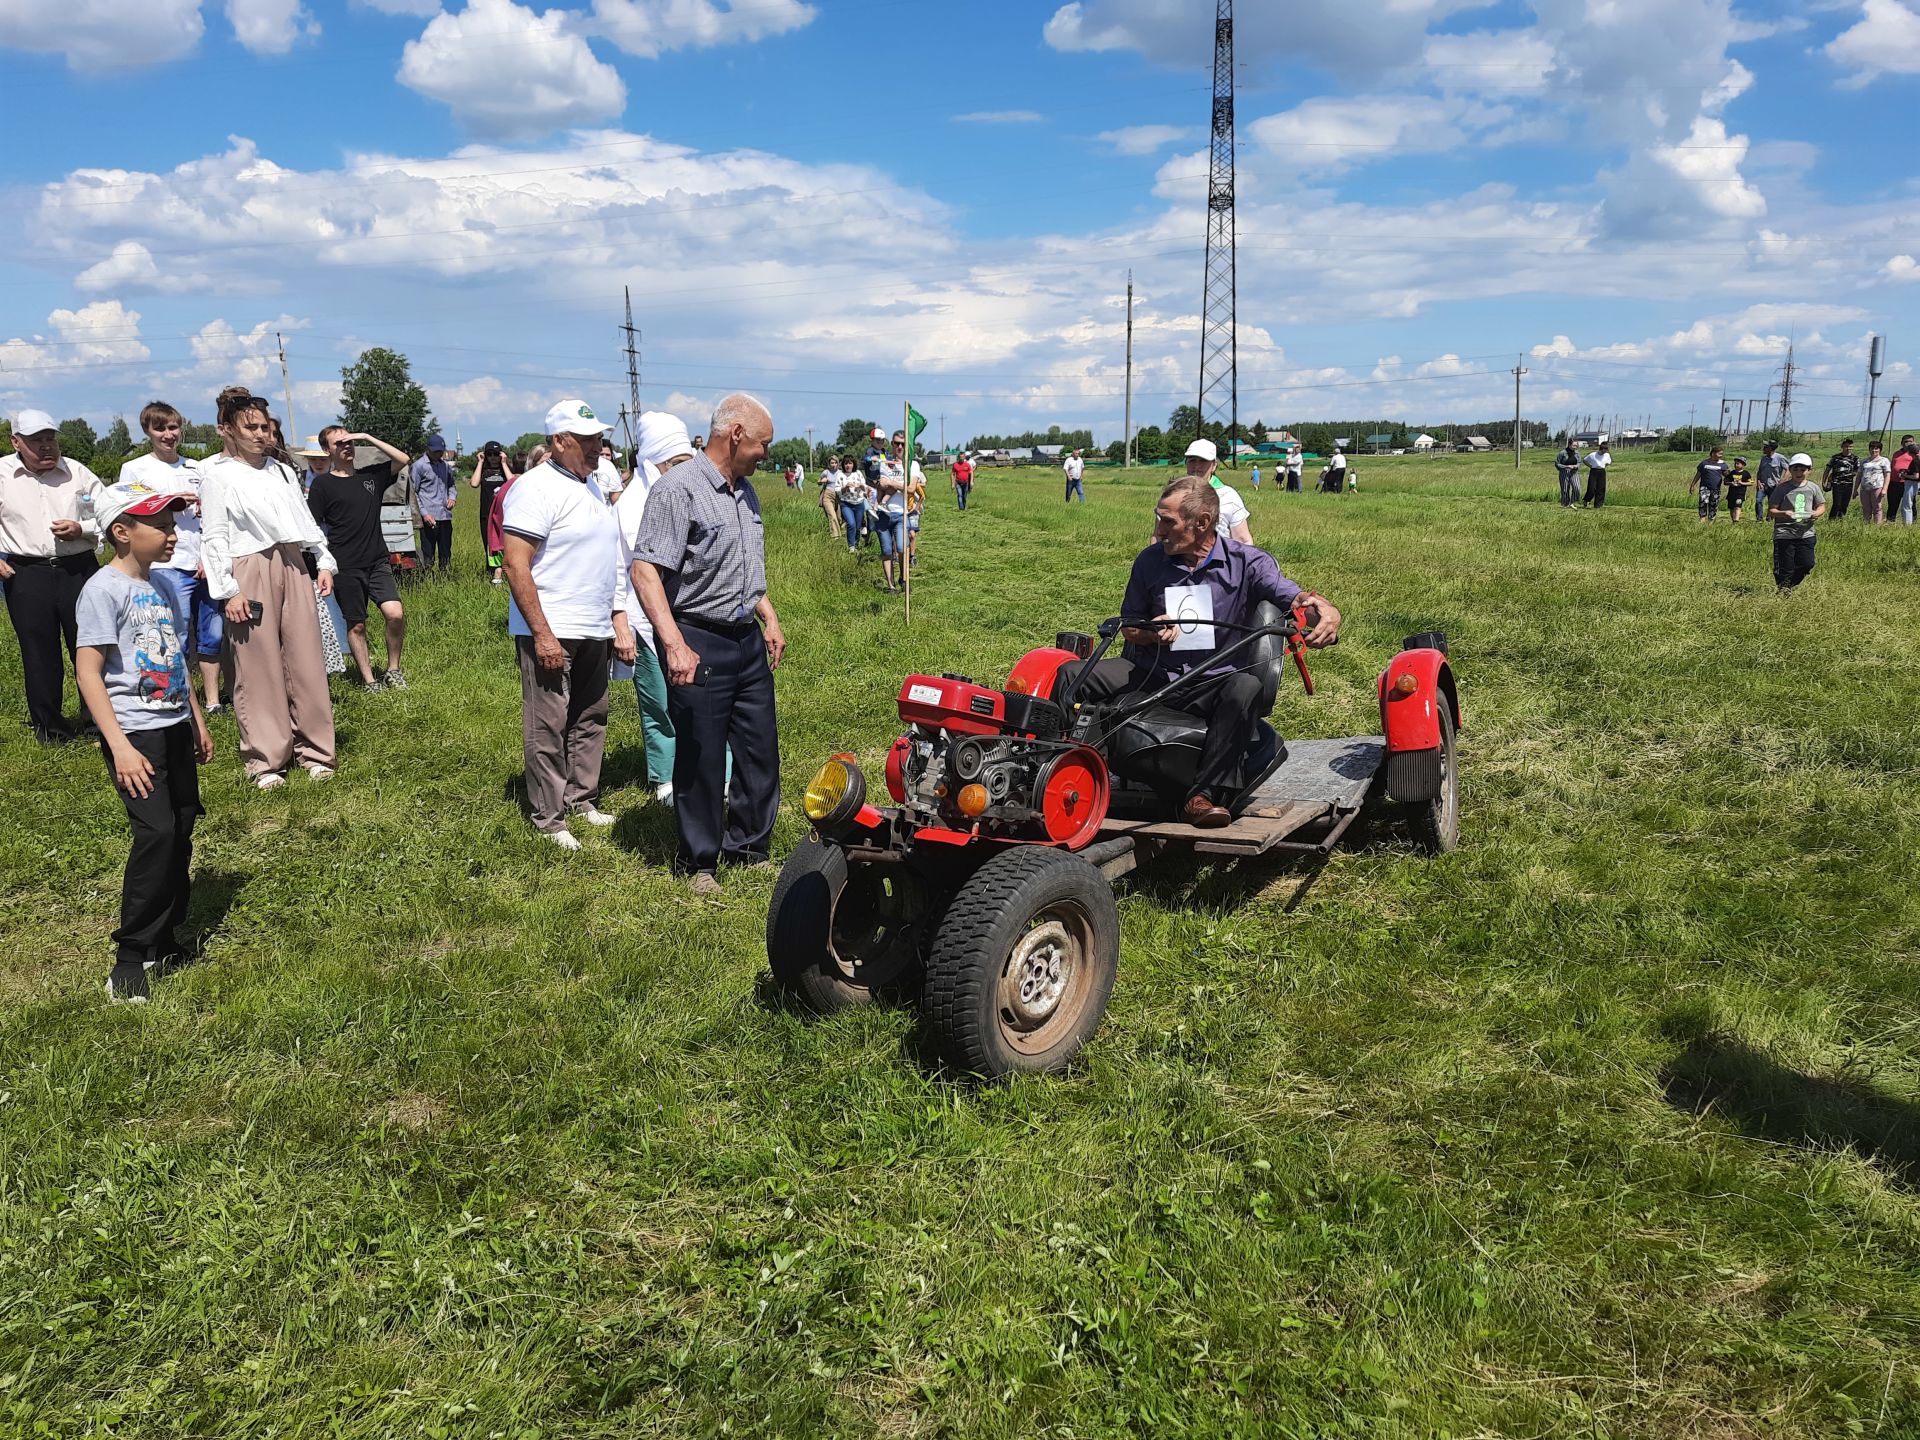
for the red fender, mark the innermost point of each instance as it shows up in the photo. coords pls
(1037, 671)
(1410, 718)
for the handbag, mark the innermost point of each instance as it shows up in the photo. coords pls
(329, 638)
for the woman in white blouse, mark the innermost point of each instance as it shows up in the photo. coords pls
(255, 526)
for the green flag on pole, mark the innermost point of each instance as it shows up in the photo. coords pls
(916, 422)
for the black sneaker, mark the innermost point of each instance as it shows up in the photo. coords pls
(127, 985)
(170, 963)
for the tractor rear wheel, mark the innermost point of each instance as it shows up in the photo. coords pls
(1435, 824)
(1023, 964)
(839, 934)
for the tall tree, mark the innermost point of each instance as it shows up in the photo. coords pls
(77, 440)
(116, 442)
(378, 396)
(852, 439)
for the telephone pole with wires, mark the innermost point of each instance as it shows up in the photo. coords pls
(286, 383)
(1518, 371)
(1126, 425)
(1219, 317)
(633, 367)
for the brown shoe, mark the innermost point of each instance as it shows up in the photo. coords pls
(1204, 814)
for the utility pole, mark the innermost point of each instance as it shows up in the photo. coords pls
(810, 446)
(1219, 309)
(1518, 371)
(1886, 425)
(1126, 425)
(1786, 393)
(633, 358)
(1690, 440)
(286, 382)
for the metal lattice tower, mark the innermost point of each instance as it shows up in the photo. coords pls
(1219, 338)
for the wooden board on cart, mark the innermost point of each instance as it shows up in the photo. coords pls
(1321, 779)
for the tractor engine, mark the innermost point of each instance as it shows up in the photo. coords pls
(994, 764)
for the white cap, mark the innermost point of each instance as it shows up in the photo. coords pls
(33, 422)
(1203, 450)
(1801, 459)
(575, 417)
(876, 434)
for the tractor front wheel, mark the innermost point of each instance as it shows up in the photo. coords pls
(838, 934)
(1435, 824)
(1023, 964)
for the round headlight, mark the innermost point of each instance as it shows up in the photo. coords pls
(836, 793)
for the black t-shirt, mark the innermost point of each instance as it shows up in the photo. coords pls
(347, 508)
(1710, 473)
(1843, 469)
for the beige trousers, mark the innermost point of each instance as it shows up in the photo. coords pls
(280, 694)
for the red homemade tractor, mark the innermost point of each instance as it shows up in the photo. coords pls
(986, 884)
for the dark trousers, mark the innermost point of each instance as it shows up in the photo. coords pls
(1842, 498)
(40, 603)
(732, 712)
(563, 729)
(1227, 705)
(1596, 495)
(436, 545)
(1293, 481)
(1792, 560)
(960, 493)
(153, 895)
(1569, 485)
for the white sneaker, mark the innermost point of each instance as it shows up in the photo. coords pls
(594, 816)
(272, 780)
(320, 772)
(561, 838)
(663, 792)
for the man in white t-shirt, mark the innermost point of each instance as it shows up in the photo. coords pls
(180, 577)
(1203, 459)
(1296, 466)
(1075, 467)
(562, 562)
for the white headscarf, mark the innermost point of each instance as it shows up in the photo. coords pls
(662, 437)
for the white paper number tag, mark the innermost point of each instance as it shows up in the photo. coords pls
(1191, 607)
(925, 694)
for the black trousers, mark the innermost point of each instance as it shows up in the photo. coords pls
(1227, 705)
(40, 603)
(1792, 560)
(436, 544)
(1842, 497)
(733, 711)
(1596, 495)
(153, 894)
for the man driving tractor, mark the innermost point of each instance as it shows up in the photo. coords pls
(1191, 580)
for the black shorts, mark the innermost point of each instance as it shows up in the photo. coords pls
(354, 588)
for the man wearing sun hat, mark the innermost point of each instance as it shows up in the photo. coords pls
(1203, 462)
(132, 672)
(47, 541)
(562, 561)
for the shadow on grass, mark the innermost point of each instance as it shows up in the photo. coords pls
(1180, 879)
(1717, 1074)
(214, 893)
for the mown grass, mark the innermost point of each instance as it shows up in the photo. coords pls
(1604, 1125)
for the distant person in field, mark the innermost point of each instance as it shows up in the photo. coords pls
(1794, 505)
(1876, 475)
(1074, 467)
(962, 481)
(830, 479)
(346, 505)
(1203, 463)
(1841, 477)
(179, 574)
(1773, 469)
(1254, 477)
(1739, 483)
(132, 670)
(563, 570)
(1906, 479)
(854, 493)
(1296, 467)
(434, 492)
(800, 475)
(1567, 466)
(1598, 461)
(1710, 478)
(491, 472)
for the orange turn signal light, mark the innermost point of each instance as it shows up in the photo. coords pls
(1406, 684)
(972, 799)
(1018, 684)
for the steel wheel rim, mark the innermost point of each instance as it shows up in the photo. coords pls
(1046, 978)
(877, 952)
(1446, 808)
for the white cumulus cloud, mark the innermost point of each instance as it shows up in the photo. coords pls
(130, 264)
(271, 27)
(1902, 267)
(507, 71)
(1146, 139)
(103, 34)
(649, 28)
(1886, 38)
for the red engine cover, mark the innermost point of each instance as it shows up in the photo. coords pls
(955, 705)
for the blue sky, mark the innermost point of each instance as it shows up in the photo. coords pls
(840, 206)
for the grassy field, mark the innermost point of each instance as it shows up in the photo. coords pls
(1607, 1124)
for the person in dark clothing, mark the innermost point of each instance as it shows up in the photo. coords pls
(346, 505)
(1739, 482)
(1841, 478)
(1567, 465)
(1794, 505)
(1598, 459)
(1709, 476)
(491, 474)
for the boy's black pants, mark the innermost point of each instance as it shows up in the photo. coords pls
(1792, 560)
(153, 896)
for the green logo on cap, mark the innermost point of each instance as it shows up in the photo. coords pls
(585, 413)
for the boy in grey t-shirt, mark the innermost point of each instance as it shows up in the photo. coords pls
(132, 674)
(1794, 505)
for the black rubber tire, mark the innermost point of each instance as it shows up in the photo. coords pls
(1435, 824)
(809, 916)
(1004, 906)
